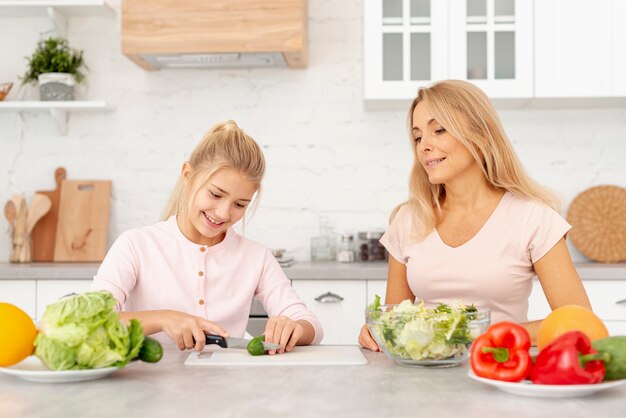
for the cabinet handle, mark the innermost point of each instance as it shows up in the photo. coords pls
(329, 298)
(621, 302)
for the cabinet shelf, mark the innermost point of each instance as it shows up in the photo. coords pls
(59, 110)
(57, 10)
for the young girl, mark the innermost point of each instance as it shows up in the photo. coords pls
(192, 274)
(476, 228)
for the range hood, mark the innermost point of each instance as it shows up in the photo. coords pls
(214, 33)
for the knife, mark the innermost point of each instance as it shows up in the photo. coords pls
(240, 343)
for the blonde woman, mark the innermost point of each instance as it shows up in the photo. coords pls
(192, 274)
(475, 228)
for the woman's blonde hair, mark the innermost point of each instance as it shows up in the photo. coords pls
(226, 145)
(467, 114)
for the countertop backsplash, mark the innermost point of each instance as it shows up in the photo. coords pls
(326, 155)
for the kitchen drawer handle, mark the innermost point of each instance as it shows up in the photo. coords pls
(621, 302)
(329, 298)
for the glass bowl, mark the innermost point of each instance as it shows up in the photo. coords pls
(427, 335)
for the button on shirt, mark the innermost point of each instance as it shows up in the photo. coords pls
(157, 267)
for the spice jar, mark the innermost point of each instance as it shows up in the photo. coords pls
(370, 248)
(346, 252)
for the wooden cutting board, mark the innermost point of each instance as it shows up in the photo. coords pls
(320, 355)
(44, 232)
(83, 222)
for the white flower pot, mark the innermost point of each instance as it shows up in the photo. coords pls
(56, 86)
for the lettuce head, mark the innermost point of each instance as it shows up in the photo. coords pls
(84, 332)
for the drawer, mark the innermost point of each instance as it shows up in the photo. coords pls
(49, 291)
(607, 297)
(616, 327)
(20, 293)
(338, 304)
(376, 287)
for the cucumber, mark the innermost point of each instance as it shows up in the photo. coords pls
(255, 346)
(616, 347)
(151, 350)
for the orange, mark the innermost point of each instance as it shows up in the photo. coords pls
(570, 318)
(17, 335)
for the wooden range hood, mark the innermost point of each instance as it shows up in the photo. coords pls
(214, 33)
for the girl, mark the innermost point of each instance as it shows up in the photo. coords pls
(192, 273)
(476, 228)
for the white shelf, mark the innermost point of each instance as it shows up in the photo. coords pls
(58, 110)
(57, 10)
(16, 8)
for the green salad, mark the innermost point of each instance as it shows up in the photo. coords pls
(414, 331)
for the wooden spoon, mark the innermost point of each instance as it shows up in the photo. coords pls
(10, 211)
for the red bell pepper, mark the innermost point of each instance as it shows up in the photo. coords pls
(501, 353)
(569, 360)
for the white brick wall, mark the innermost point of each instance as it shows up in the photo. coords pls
(326, 155)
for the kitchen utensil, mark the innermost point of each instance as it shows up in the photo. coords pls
(83, 220)
(10, 212)
(5, 88)
(38, 208)
(312, 355)
(598, 217)
(44, 233)
(231, 342)
(19, 235)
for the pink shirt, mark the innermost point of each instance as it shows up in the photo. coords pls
(157, 267)
(493, 269)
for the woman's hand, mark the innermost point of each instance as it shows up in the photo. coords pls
(188, 330)
(366, 340)
(284, 331)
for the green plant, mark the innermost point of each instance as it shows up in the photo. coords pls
(53, 55)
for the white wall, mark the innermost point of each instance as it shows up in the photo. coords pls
(326, 155)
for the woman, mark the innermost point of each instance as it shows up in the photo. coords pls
(192, 273)
(475, 228)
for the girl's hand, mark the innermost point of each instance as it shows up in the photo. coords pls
(188, 330)
(366, 340)
(284, 331)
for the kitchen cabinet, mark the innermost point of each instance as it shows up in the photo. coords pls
(376, 287)
(607, 297)
(338, 304)
(49, 291)
(410, 43)
(20, 293)
(579, 48)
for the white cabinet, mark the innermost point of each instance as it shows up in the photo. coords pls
(20, 293)
(376, 287)
(491, 45)
(409, 43)
(49, 291)
(574, 47)
(607, 297)
(338, 304)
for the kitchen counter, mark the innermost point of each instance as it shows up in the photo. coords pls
(379, 389)
(298, 271)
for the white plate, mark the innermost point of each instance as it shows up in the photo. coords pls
(32, 369)
(527, 388)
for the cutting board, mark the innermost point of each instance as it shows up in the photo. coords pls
(44, 232)
(312, 355)
(83, 221)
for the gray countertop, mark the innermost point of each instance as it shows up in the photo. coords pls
(298, 271)
(378, 389)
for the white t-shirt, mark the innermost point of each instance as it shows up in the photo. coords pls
(493, 269)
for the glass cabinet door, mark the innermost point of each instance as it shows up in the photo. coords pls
(491, 45)
(405, 46)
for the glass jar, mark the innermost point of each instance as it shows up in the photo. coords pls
(346, 252)
(324, 246)
(370, 248)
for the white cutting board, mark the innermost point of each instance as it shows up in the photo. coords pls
(312, 355)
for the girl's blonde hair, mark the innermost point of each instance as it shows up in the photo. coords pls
(467, 114)
(224, 146)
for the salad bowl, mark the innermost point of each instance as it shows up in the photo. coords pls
(426, 335)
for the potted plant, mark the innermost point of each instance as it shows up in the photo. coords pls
(56, 67)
